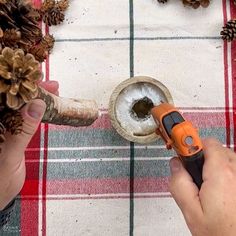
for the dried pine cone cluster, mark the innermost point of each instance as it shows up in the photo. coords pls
(22, 48)
(19, 25)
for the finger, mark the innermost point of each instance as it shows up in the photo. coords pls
(50, 86)
(216, 158)
(185, 192)
(212, 146)
(15, 145)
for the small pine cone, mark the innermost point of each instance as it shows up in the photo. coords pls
(12, 121)
(191, 3)
(229, 31)
(41, 50)
(10, 38)
(53, 11)
(19, 75)
(39, 53)
(205, 3)
(53, 16)
(64, 4)
(2, 133)
(196, 3)
(48, 42)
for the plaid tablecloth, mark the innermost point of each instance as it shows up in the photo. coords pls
(90, 181)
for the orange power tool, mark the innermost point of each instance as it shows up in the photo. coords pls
(180, 135)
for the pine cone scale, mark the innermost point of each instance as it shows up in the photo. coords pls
(34, 76)
(3, 87)
(13, 102)
(4, 64)
(30, 86)
(6, 75)
(14, 88)
(26, 94)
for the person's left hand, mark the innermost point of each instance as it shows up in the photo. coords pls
(12, 156)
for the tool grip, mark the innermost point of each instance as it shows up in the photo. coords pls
(194, 166)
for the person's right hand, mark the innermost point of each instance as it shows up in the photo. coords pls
(212, 210)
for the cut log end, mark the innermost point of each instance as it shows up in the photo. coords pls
(70, 112)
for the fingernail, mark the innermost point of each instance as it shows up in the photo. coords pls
(36, 109)
(175, 165)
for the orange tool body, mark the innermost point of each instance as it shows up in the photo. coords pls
(180, 135)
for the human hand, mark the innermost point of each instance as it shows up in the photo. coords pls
(12, 157)
(212, 210)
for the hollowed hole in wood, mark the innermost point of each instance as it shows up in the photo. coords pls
(141, 108)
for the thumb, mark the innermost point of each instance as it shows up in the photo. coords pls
(185, 192)
(32, 114)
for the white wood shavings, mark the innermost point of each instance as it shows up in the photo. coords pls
(125, 102)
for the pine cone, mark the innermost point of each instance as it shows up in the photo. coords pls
(48, 42)
(53, 17)
(53, 11)
(229, 31)
(196, 3)
(41, 50)
(12, 121)
(19, 74)
(20, 15)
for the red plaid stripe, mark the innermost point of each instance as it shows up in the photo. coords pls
(233, 61)
(29, 209)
